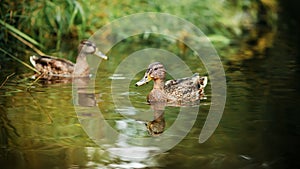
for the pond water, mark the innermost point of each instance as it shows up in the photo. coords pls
(42, 126)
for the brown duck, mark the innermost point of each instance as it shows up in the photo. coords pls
(179, 91)
(51, 67)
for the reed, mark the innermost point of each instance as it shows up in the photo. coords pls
(50, 23)
(21, 34)
(18, 60)
(43, 23)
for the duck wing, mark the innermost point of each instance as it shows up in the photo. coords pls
(186, 89)
(51, 65)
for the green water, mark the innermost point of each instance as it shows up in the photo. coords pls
(42, 128)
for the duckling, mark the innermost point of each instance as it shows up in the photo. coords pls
(179, 91)
(50, 66)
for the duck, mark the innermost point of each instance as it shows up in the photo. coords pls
(51, 67)
(178, 91)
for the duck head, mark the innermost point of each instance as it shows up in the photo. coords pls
(155, 71)
(87, 48)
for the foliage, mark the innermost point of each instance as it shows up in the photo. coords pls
(54, 24)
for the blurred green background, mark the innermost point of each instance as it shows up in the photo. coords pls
(238, 29)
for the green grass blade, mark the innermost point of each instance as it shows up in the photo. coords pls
(18, 32)
(15, 58)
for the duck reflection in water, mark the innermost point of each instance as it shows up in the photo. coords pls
(85, 94)
(157, 126)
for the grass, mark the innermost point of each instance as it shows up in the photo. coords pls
(21, 34)
(50, 25)
(18, 60)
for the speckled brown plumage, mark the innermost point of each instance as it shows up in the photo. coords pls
(179, 91)
(52, 68)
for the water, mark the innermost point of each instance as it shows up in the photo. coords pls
(41, 127)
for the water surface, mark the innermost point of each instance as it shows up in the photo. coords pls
(43, 127)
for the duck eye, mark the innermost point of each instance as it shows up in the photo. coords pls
(155, 68)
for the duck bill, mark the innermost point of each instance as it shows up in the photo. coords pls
(101, 55)
(144, 80)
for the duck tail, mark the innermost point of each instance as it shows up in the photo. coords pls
(203, 81)
(32, 60)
